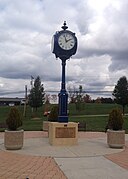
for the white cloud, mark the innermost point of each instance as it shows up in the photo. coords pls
(26, 29)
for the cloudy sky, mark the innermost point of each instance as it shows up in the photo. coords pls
(26, 30)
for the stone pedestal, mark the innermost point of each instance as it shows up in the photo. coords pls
(63, 133)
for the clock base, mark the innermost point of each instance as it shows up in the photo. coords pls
(63, 119)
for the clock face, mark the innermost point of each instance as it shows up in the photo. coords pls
(66, 41)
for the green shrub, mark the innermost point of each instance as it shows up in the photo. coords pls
(115, 121)
(53, 116)
(14, 119)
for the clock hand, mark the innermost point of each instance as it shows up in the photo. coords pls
(68, 40)
(65, 39)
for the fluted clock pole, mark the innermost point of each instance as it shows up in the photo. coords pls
(63, 97)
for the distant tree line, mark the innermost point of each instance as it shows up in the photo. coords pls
(79, 95)
(120, 95)
(36, 98)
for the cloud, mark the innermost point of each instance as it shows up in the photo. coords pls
(26, 29)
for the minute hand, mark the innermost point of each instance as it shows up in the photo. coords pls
(68, 40)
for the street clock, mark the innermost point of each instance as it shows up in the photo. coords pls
(64, 43)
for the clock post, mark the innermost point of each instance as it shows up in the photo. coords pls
(64, 46)
(63, 97)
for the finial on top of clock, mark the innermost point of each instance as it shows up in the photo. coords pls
(64, 27)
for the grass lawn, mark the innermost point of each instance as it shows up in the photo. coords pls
(34, 121)
(93, 123)
(96, 123)
(94, 108)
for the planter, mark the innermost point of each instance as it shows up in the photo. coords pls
(13, 140)
(45, 125)
(116, 139)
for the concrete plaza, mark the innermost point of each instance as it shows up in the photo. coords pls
(90, 159)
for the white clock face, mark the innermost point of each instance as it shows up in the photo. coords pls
(66, 41)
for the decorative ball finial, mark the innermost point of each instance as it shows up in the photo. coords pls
(64, 27)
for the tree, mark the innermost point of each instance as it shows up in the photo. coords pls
(79, 99)
(36, 96)
(87, 98)
(121, 92)
(98, 100)
(72, 94)
(54, 98)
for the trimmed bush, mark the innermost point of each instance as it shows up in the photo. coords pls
(14, 119)
(115, 121)
(53, 116)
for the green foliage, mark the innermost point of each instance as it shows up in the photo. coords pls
(95, 116)
(14, 119)
(93, 123)
(93, 109)
(36, 96)
(53, 116)
(121, 92)
(79, 99)
(115, 121)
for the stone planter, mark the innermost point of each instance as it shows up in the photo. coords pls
(13, 140)
(116, 139)
(45, 125)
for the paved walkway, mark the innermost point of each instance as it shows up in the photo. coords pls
(90, 159)
(120, 158)
(15, 166)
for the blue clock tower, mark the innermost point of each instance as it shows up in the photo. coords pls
(64, 45)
